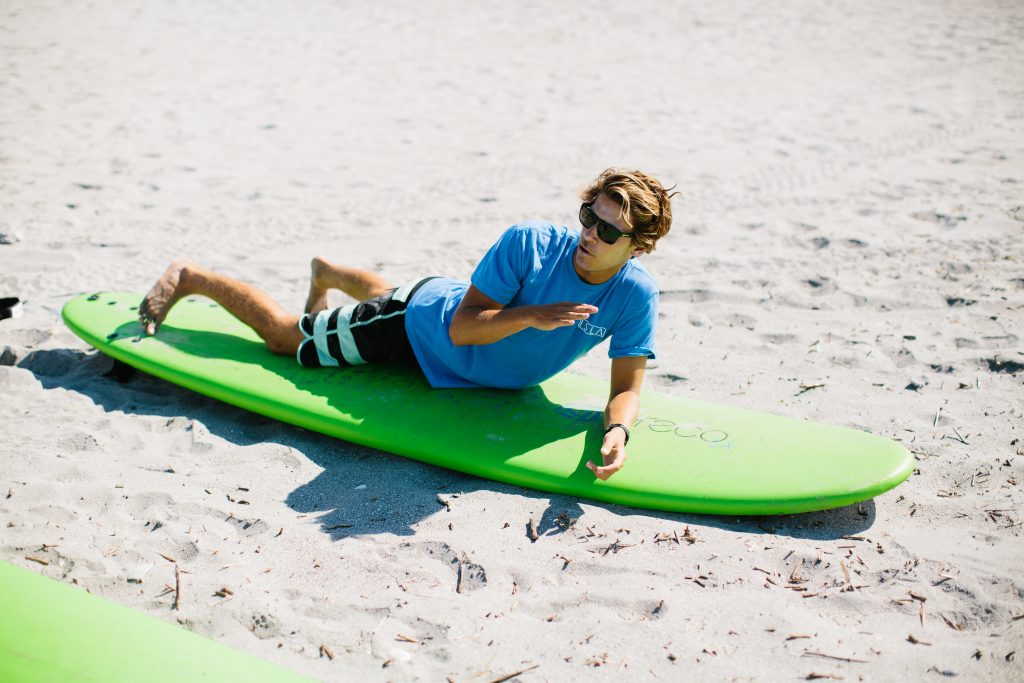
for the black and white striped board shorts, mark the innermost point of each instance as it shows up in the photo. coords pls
(371, 331)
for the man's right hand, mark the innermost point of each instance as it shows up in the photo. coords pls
(553, 316)
(480, 319)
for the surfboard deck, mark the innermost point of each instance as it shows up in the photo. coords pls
(54, 632)
(684, 455)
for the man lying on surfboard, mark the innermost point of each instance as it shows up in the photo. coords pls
(540, 298)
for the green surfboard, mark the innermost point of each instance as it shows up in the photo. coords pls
(684, 455)
(54, 632)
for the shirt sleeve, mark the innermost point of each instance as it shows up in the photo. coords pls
(634, 335)
(501, 271)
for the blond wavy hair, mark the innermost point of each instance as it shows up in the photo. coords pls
(644, 203)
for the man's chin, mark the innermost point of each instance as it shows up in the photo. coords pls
(582, 263)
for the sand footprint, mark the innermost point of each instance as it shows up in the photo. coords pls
(468, 575)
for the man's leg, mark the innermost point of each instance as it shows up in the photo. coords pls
(357, 283)
(253, 307)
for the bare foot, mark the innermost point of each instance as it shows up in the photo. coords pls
(317, 299)
(164, 294)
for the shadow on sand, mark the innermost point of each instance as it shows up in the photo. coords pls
(389, 503)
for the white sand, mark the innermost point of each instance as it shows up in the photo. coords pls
(852, 217)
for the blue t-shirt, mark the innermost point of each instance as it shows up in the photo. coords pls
(531, 264)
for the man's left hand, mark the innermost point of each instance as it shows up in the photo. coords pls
(613, 452)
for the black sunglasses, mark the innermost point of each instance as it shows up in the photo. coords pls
(606, 232)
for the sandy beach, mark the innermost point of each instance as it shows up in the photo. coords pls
(847, 249)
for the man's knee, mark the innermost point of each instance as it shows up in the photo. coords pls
(285, 337)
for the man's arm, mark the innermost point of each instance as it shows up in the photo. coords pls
(479, 319)
(623, 406)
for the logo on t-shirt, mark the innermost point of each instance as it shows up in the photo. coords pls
(592, 330)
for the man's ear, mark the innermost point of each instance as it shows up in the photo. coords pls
(638, 251)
